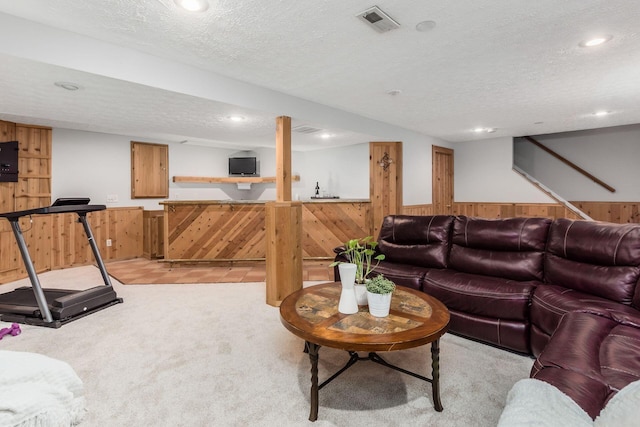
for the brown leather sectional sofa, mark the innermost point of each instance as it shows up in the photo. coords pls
(518, 282)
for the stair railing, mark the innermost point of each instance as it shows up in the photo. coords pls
(570, 163)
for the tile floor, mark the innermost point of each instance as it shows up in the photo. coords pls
(141, 271)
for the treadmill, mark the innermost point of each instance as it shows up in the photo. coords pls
(55, 307)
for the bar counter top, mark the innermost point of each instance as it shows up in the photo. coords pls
(257, 202)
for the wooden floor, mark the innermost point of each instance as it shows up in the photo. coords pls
(141, 271)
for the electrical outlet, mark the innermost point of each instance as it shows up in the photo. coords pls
(112, 198)
(109, 242)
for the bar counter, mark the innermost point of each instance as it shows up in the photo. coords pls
(234, 230)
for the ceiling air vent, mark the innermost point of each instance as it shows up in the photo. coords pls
(377, 19)
(305, 129)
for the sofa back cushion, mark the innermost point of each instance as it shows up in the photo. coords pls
(596, 258)
(417, 240)
(511, 248)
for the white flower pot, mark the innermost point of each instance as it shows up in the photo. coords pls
(361, 293)
(379, 304)
(348, 303)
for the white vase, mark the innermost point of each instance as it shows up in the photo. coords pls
(347, 304)
(379, 304)
(361, 293)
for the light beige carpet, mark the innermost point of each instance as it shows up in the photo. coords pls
(217, 355)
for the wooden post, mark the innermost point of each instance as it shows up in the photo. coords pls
(283, 225)
(284, 250)
(283, 159)
(385, 174)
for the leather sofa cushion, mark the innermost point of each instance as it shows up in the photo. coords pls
(550, 303)
(402, 274)
(590, 357)
(511, 334)
(480, 295)
(510, 248)
(596, 258)
(417, 240)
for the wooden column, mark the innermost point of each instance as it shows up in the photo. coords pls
(283, 225)
(385, 173)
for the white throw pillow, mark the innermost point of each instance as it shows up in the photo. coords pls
(623, 410)
(535, 403)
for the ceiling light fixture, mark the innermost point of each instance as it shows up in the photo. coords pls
(236, 118)
(326, 135)
(68, 85)
(595, 41)
(484, 130)
(602, 113)
(193, 5)
(394, 92)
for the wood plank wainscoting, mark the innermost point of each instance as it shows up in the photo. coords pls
(59, 241)
(210, 230)
(497, 210)
(619, 212)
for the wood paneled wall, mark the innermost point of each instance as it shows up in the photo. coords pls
(33, 189)
(497, 210)
(510, 210)
(59, 241)
(385, 181)
(619, 212)
(213, 231)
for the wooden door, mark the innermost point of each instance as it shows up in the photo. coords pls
(442, 180)
(149, 170)
(385, 172)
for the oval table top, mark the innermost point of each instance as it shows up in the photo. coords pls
(415, 319)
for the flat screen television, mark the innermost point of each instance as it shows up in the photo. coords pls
(242, 166)
(9, 161)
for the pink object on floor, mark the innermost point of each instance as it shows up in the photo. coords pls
(13, 330)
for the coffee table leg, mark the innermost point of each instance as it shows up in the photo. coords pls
(435, 367)
(313, 357)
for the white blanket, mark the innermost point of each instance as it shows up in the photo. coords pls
(534, 403)
(38, 391)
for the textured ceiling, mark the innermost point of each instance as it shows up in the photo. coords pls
(514, 65)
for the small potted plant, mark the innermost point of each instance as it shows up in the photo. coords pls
(379, 292)
(362, 253)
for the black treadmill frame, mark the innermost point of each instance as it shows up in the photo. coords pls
(42, 316)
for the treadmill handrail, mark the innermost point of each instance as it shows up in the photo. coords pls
(79, 209)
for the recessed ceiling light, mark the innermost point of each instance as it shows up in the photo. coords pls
(326, 135)
(425, 26)
(193, 5)
(602, 113)
(595, 41)
(68, 85)
(236, 118)
(484, 130)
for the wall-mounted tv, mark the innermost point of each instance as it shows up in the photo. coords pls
(9, 161)
(243, 166)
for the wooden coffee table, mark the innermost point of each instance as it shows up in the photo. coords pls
(415, 319)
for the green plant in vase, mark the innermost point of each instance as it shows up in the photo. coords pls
(362, 253)
(379, 292)
(380, 285)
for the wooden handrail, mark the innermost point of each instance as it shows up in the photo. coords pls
(570, 164)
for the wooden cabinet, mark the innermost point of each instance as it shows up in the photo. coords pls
(149, 170)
